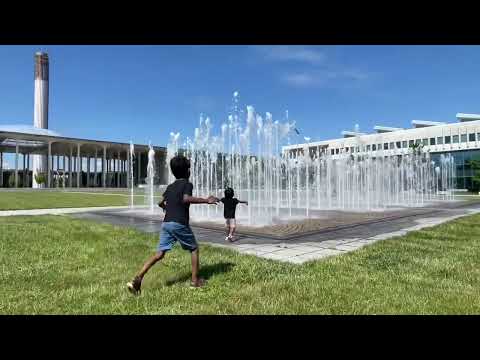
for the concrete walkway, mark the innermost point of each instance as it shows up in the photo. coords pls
(304, 248)
(301, 252)
(60, 211)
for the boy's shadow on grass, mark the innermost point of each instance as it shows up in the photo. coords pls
(205, 272)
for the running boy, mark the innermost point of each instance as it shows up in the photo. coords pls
(229, 205)
(175, 227)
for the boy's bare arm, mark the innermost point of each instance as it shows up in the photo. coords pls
(187, 199)
(243, 202)
(163, 204)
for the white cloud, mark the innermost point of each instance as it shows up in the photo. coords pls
(302, 79)
(291, 53)
(309, 67)
(324, 78)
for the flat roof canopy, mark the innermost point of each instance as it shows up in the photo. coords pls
(467, 117)
(348, 133)
(38, 144)
(424, 123)
(384, 129)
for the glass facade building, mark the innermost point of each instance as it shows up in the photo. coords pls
(464, 171)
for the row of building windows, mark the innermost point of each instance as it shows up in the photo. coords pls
(455, 139)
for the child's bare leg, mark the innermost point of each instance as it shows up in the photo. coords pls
(195, 266)
(150, 262)
(232, 230)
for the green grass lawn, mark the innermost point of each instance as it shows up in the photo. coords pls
(61, 265)
(22, 200)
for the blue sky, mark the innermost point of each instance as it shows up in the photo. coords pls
(142, 93)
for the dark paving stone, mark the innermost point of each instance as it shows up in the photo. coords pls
(151, 224)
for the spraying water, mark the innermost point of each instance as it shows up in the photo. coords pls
(150, 190)
(247, 155)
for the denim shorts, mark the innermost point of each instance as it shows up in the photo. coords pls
(172, 232)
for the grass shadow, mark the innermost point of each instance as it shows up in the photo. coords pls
(206, 272)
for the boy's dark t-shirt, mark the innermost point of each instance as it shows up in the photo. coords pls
(229, 206)
(176, 210)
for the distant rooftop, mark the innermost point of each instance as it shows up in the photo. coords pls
(27, 129)
(384, 129)
(467, 117)
(347, 133)
(425, 123)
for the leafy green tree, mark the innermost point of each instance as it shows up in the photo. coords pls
(475, 165)
(416, 148)
(40, 178)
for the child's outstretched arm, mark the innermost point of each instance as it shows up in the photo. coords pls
(188, 199)
(163, 204)
(243, 202)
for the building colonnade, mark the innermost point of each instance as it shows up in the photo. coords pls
(77, 165)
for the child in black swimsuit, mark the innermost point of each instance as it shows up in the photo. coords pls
(229, 206)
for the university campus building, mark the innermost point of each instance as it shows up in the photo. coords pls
(460, 139)
(65, 161)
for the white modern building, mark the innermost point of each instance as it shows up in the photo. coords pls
(461, 139)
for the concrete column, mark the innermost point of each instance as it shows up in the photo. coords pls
(104, 165)
(118, 170)
(75, 167)
(70, 167)
(79, 164)
(1, 169)
(95, 173)
(88, 171)
(124, 179)
(28, 170)
(16, 165)
(64, 170)
(81, 171)
(114, 177)
(49, 165)
(23, 172)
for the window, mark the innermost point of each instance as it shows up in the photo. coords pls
(337, 151)
(440, 140)
(432, 141)
(392, 146)
(455, 139)
(357, 149)
(463, 138)
(417, 141)
(385, 146)
(368, 147)
(471, 137)
(404, 144)
(374, 147)
(399, 144)
(448, 139)
(410, 143)
(425, 142)
(478, 136)
(333, 152)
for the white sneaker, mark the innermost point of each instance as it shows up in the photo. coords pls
(227, 238)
